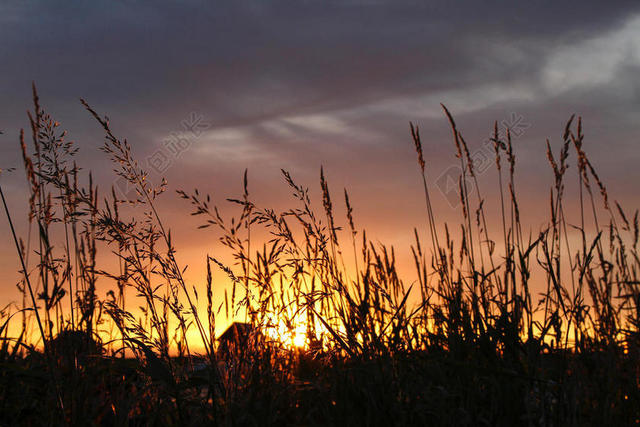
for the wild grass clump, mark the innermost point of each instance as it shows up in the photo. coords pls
(332, 333)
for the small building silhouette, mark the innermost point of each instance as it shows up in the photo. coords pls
(236, 335)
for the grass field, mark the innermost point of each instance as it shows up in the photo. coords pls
(337, 337)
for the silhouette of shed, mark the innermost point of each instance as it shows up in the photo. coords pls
(236, 335)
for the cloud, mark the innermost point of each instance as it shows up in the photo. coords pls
(596, 61)
(229, 145)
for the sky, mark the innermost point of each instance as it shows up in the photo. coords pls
(204, 90)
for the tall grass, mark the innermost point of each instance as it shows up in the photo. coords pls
(467, 343)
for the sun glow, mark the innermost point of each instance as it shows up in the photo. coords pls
(291, 333)
(295, 332)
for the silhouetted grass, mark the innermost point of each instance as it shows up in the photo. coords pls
(467, 343)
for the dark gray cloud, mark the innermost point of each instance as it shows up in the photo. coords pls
(245, 60)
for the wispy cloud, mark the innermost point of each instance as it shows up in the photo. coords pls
(594, 62)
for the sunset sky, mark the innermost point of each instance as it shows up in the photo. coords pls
(204, 90)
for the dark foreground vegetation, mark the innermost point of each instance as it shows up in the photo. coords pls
(468, 343)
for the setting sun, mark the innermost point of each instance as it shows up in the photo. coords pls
(292, 337)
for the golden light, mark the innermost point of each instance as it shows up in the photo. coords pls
(290, 334)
